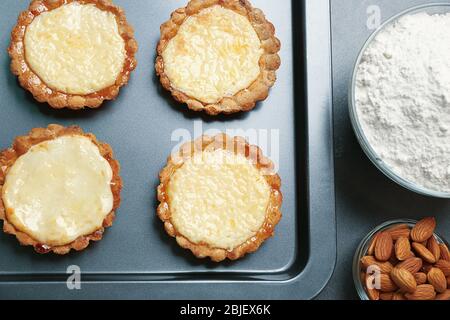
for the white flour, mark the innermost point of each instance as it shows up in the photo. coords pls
(403, 98)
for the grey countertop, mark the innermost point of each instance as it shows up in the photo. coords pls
(364, 196)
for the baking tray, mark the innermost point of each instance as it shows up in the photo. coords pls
(365, 197)
(136, 259)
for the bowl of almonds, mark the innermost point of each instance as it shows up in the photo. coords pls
(403, 260)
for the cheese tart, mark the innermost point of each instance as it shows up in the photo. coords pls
(219, 197)
(73, 53)
(218, 56)
(59, 189)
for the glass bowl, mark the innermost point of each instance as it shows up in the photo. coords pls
(436, 8)
(361, 251)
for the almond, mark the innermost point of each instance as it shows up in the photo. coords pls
(413, 265)
(373, 294)
(371, 249)
(386, 283)
(401, 230)
(434, 248)
(385, 296)
(398, 227)
(404, 280)
(445, 254)
(398, 296)
(423, 229)
(444, 295)
(403, 249)
(437, 279)
(423, 292)
(444, 266)
(367, 261)
(384, 246)
(404, 263)
(420, 277)
(393, 259)
(362, 276)
(426, 267)
(423, 252)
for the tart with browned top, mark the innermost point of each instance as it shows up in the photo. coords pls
(73, 53)
(59, 189)
(219, 197)
(218, 56)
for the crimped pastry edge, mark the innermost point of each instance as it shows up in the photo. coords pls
(31, 82)
(238, 145)
(244, 100)
(21, 146)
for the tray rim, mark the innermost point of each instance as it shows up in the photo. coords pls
(318, 269)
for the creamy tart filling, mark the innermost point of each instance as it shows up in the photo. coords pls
(59, 190)
(76, 48)
(215, 54)
(219, 198)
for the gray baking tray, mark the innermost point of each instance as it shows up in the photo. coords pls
(136, 259)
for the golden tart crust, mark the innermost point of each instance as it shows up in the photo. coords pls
(30, 81)
(237, 146)
(269, 62)
(21, 146)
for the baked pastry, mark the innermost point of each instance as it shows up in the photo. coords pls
(73, 53)
(59, 189)
(219, 197)
(219, 56)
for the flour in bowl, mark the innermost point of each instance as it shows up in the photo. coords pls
(402, 98)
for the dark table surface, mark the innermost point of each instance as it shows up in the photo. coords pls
(364, 196)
